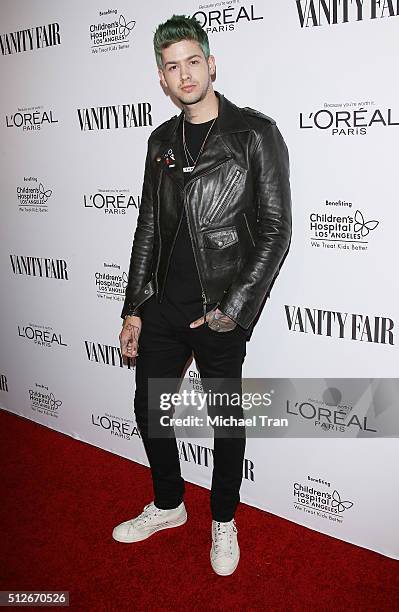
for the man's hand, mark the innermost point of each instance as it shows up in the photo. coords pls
(217, 321)
(129, 336)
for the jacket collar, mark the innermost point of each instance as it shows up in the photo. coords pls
(216, 150)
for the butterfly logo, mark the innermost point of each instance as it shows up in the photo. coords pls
(43, 193)
(125, 28)
(124, 279)
(337, 502)
(53, 403)
(362, 226)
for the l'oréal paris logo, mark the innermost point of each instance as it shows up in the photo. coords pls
(111, 201)
(31, 119)
(340, 325)
(329, 418)
(347, 118)
(116, 426)
(30, 39)
(313, 13)
(215, 19)
(41, 335)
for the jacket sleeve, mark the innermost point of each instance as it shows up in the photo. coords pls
(246, 294)
(142, 249)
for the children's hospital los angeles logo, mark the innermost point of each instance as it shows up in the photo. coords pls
(340, 228)
(112, 31)
(32, 195)
(43, 401)
(110, 282)
(319, 498)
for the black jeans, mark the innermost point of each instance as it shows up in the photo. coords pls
(165, 344)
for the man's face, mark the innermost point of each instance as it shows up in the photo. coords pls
(186, 73)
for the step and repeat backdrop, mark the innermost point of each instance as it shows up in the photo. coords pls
(80, 95)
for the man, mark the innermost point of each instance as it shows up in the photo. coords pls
(213, 228)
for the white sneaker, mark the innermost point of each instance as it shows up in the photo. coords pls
(152, 519)
(225, 552)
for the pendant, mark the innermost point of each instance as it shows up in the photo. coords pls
(188, 168)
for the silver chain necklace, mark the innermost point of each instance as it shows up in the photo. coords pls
(189, 168)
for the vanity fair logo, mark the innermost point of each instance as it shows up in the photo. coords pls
(39, 266)
(114, 117)
(341, 232)
(42, 335)
(320, 13)
(342, 325)
(33, 196)
(347, 118)
(31, 119)
(111, 201)
(226, 16)
(111, 282)
(30, 39)
(202, 455)
(43, 401)
(3, 383)
(317, 497)
(111, 32)
(116, 426)
(106, 354)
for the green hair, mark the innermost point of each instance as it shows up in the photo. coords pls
(179, 27)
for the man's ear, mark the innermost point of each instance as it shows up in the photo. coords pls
(162, 78)
(212, 64)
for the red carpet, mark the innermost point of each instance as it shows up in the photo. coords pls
(61, 498)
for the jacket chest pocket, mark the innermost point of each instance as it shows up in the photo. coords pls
(221, 247)
(217, 208)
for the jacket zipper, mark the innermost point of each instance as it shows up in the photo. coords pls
(191, 237)
(159, 231)
(223, 199)
(249, 229)
(206, 172)
(196, 262)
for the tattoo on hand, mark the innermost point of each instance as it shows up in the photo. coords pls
(220, 322)
(133, 328)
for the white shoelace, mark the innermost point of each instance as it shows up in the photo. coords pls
(223, 537)
(150, 510)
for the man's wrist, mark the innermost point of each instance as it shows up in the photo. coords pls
(131, 314)
(226, 315)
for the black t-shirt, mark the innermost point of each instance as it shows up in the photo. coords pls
(183, 287)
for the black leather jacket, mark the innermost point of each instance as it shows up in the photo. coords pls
(239, 212)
